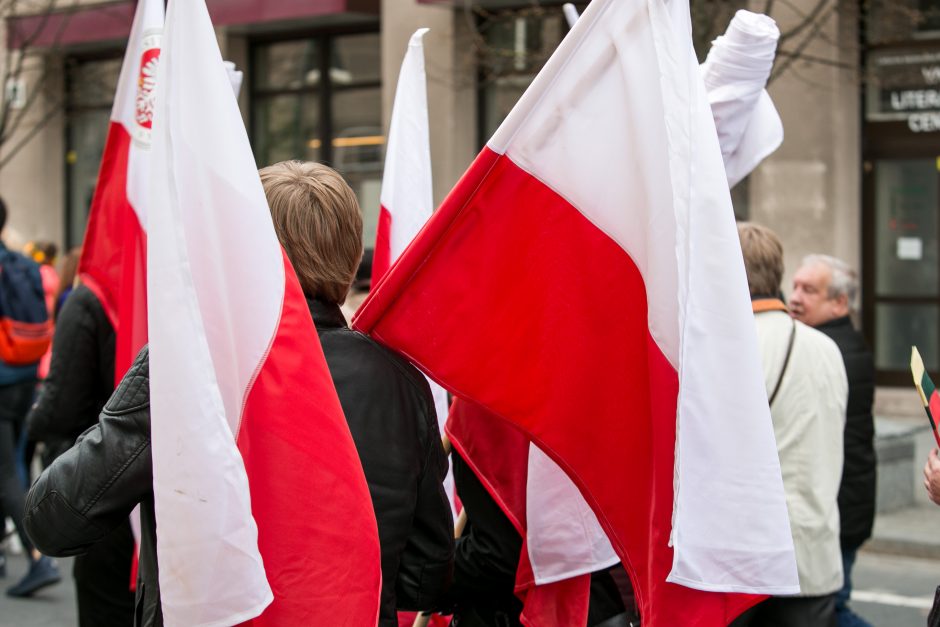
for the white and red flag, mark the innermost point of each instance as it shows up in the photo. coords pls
(584, 282)
(407, 186)
(263, 510)
(114, 254)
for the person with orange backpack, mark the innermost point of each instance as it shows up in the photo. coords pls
(25, 334)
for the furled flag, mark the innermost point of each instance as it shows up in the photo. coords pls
(736, 72)
(406, 198)
(261, 503)
(927, 390)
(407, 187)
(584, 282)
(114, 255)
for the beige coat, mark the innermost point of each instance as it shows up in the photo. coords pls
(809, 417)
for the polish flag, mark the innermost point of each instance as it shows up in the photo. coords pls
(584, 282)
(407, 187)
(114, 254)
(263, 510)
(406, 204)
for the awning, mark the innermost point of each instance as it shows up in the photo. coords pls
(241, 12)
(79, 25)
(111, 21)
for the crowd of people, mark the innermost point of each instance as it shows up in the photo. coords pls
(94, 438)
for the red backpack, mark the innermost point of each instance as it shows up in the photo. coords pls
(25, 327)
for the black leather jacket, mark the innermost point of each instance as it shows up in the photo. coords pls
(391, 415)
(857, 491)
(81, 372)
(93, 487)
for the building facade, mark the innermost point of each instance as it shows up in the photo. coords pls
(856, 176)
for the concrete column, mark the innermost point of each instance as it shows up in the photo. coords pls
(809, 190)
(32, 183)
(451, 82)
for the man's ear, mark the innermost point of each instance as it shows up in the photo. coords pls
(842, 303)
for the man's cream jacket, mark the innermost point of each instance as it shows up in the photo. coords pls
(809, 417)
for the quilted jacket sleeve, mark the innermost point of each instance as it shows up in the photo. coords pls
(72, 394)
(426, 569)
(93, 487)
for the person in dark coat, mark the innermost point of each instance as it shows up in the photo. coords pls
(79, 383)
(490, 545)
(488, 553)
(91, 489)
(386, 401)
(824, 290)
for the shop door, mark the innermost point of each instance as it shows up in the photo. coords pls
(902, 295)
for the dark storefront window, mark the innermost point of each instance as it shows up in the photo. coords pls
(907, 266)
(90, 87)
(901, 214)
(515, 45)
(319, 99)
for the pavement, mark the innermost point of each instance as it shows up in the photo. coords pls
(53, 606)
(907, 523)
(910, 532)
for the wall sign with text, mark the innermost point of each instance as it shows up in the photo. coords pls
(905, 86)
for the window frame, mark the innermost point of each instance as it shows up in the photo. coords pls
(69, 109)
(324, 91)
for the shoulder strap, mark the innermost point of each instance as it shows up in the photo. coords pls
(786, 362)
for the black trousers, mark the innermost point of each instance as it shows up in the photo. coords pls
(791, 612)
(15, 401)
(103, 579)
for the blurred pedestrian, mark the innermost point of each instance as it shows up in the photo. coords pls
(45, 255)
(80, 381)
(22, 283)
(824, 293)
(807, 390)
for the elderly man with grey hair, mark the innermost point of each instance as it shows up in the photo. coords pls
(824, 293)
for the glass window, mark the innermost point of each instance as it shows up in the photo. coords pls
(905, 279)
(87, 132)
(298, 113)
(287, 65)
(358, 144)
(355, 59)
(287, 127)
(516, 46)
(906, 223)
(90, 87)
(900, 326)
(92, 83)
